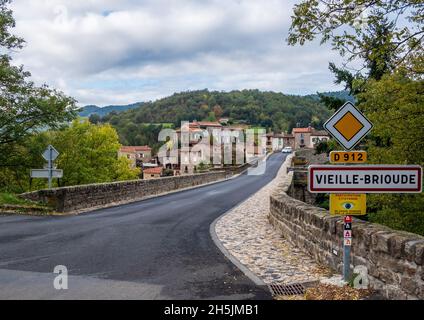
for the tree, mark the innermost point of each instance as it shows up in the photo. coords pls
(217, 110)
(95, 118)
(367, 32)
(362, 29)
(24, 108)
(89, 154)
(211, 117)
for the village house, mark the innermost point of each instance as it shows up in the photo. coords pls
(152, 173)
(277, 141)
(308, 137)
(318, 136)
(136, 154)
(194, 149)
(288, 140)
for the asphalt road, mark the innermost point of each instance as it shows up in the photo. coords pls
(159, 248)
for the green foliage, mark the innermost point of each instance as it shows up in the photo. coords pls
(331, 102)
(89, 154)
(323, 200)
(24, 107)
(270, 110)
(362, 29)
(90, 110)
(167, 172)
(94, 118)
(411, 221)
(395, 107)
(211, 117)
(398, 100)
(9, 198)
(202, 166)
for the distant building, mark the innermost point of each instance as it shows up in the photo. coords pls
(318, 136)
(206, 142)
(288, 140)
(137, 154)
(269, 140)
(152, 173)
(308, 137)
(278, 142)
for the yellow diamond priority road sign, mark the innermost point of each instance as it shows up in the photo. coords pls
(348, 125)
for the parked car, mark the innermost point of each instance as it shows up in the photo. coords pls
(287, 150)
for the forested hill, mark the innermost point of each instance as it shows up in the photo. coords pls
(275, 111)
(89, 110)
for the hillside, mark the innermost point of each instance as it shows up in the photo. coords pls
(343, 95)
(271, 110)
(87, 111)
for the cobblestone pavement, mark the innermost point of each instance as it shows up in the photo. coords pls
(247, 234)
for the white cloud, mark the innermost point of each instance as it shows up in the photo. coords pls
(105, 52)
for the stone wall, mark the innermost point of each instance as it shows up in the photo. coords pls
(99, 195)
(299, 189)
(394, 259)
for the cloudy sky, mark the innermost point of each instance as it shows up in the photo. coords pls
(122, 51)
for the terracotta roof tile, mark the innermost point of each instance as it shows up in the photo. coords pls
(302, 130)
(156, 170)
(134, 148)
(208, 124)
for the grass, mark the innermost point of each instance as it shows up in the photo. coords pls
(11, 204)
(10, 198)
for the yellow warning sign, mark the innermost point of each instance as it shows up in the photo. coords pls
(348, 204)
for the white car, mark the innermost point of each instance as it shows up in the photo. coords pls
(287, 150)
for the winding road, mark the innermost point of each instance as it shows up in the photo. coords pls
(159, 248)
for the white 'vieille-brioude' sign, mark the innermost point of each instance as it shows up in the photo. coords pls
(365, 179)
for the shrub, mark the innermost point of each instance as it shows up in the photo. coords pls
(411, 221)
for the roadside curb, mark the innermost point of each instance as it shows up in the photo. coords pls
(258, 281)
(252, 276)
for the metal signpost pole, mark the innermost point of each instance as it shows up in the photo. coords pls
(346, 247)
(49, 172)
(50, 165)
(347, 243)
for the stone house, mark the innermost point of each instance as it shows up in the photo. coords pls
(152, 173)
(136, 154)
(308, 137)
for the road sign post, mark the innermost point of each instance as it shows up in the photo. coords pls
(348, 184)
(347, 243)
(348, 126)
(50, 154)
